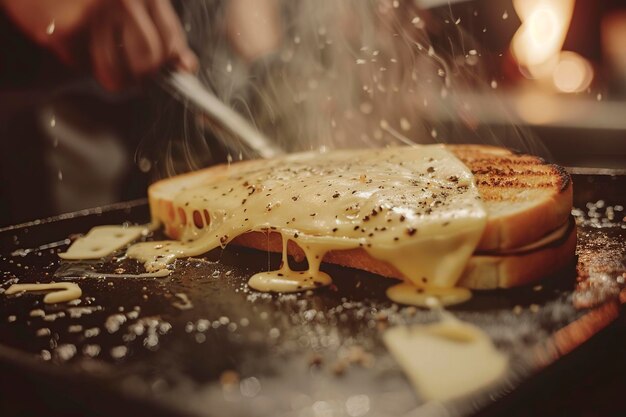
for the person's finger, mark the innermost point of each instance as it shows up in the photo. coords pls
(142, 43)
(105, 55)
(172, 36)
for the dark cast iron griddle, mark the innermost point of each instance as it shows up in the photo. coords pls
(136, 346)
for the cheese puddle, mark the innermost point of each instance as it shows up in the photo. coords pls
(68, 291)
(287, 280)
(447, 359)
(102, 241)
(415, 208)
(407, 293)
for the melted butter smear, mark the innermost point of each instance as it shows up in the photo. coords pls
(415, 208)
(447, 359)
(102, 241)
(63, 291)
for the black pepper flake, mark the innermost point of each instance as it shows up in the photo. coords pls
(243, 201)
(396, 238)
(424, 279)
(334, 229)
(295, 235)
(411, 231)
(366, 218)
(356, 228)
(313, 214)
(430, 170)
(402, 218)
(336, 195)
(294, 198)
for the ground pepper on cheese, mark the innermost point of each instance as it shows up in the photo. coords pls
(416, 208)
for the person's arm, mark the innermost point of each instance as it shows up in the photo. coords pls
(122, 40)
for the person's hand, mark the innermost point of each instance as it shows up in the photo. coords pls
(129, 39)
(121, 40)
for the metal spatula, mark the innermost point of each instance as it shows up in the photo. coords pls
(188, 89)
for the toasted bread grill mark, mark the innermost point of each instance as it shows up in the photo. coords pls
(524, 195)
(512, 170)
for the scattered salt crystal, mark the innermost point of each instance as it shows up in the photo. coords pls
(92, 332)
(118, 352)
(65, 352)
(91, 350)
(75, 328)
(43, 332)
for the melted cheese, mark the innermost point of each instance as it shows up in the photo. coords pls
(68, 291)
(102, 241)
(447, 359)
(287, 280)
(415, 208)
(427, 297)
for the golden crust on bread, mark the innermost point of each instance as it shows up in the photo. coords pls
(525, 197)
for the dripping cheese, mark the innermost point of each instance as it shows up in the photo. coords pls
(63, 291)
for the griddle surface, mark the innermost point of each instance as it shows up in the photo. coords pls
(132, 345)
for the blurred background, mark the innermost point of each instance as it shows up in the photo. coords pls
(552, 69)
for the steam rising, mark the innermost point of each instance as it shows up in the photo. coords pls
(339, 74)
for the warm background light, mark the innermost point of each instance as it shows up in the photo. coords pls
(537, 46)
(572, 73)
(541, 35)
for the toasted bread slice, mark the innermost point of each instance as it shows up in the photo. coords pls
(525, 199)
